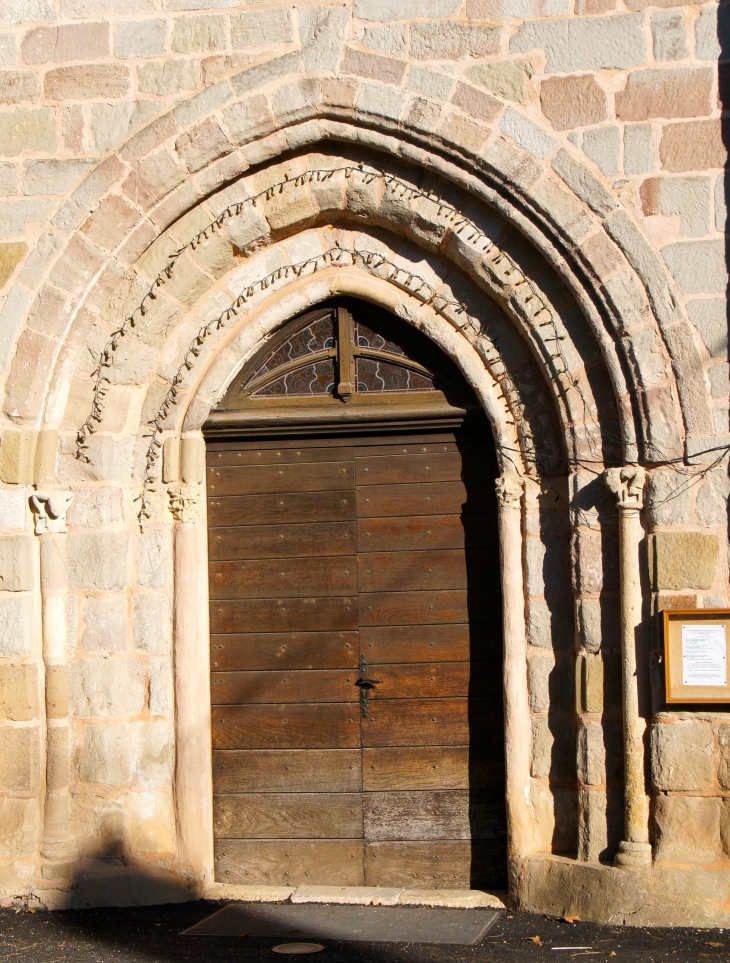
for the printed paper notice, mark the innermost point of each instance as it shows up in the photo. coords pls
(704, 655)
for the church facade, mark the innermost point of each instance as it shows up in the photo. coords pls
(364, 427)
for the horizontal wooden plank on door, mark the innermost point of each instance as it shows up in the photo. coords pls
(286, 455)
(410, 533)
(423, 680)
(448, 864)
(418, 571)
(430, 722)
(425, 608)
(283, 541)
(284, 650)
(265, 578)
(442, 498)
(433, 767)
(290, 509)
(287, 770)
(366, 448)
(434, 814)
(320, 725)
(265, 479)
(441, 642)
(284, 615)
(295, 815)
(284, 686)
(404, 469)
(274, 862)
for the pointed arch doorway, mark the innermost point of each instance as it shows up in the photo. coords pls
(356, 635)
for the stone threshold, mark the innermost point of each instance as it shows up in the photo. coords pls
(358, 895)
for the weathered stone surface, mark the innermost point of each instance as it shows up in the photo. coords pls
(165, 77)
(687, 828)
(638, 149)
(698, 267)
(152, 617)
(668, 502)
(103, 688)
(18, 86)
(527, 134)
(670, 36)
(684, 560)
(140, 38)
(712, 498)
(19, 826)
(600, 754)
(196, 34)
(27, 129)
(20, 759)
(601, 145)
(160, 685)
(97, 561)
(390, 38)
(582, 182)
(261, 74)
(53, 176)
(17, 566)
(104, 755)
(695, 145)
(152, 822)
(19, 692)
(361, 63)
(553, 749)
(475, 102)
(569, 102)
(202, 145)
(16, 626)
(452, 40)
(394, 10)
(688, 197)
(669, 93)
(87, 82)
(682, 757)
(78, 41)
(550, 623)
(723, 773)
(539, 670)
(429, 83)
(154, 562)
(99, 824)
(591, 43)
(599, 624)
(380, 101)
(105, 624)
(11, 254)
(261, 28)
(508, 79)
(711, 34)
(321, 31)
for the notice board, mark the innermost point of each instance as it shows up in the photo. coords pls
(696, 655)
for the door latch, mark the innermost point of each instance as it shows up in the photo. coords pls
(365, 683)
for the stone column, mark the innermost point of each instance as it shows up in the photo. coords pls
(510, 489)
(58, 849)
(627, 484)
(193, 767)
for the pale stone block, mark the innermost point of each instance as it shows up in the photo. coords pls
(508, 79)
(20, 759)
(670, 35)
(151, 822)
(202, 145)
(527, 134)
(17, 563)
(601, 145)
(8, 49)
(687, 197)
(152, 753)
(154, 562)
(196, 34)
(17, 624)
(19, 826)
(550, 623)
(638, 149)
(429, 83)
(321, 31)
(19, 216)
(53, 176)
(107, 687)
(394, 10)
(687, 828)
(698, 267)
(18, 86)
(590, 43)
(539, 671)
(95, 507)
(14, 510)
(161, 686)
(712, 499)
(98, 824)
(683, 560)
(152, 616)
(19, 692)
(97, 561)
(261, 28)
(140, 38)
(167, 77)
(390, 38)
(105, 624)
(104, 754)
(583, 183)
(710, 34)
(682, 757)
(380, 101)
(348, 895)
(477, 104)
(451, 40)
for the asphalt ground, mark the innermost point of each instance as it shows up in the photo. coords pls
(151, 934)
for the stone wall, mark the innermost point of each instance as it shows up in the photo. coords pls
(580, 144)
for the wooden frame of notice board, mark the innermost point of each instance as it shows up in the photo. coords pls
(696, 655)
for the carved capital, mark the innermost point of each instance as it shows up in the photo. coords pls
(50, 511)
(509, 487)
(627, 484)
(186, 503)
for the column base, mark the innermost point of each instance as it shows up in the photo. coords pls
(59, 858)
(633, 855)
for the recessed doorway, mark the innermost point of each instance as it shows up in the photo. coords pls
(356, 640)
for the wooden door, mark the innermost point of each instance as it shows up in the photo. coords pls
(331, 559)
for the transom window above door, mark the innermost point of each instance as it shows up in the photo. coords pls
(347, 355)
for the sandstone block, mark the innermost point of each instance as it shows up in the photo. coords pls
(475, 102)
(638, 149)
(553, 749)
(599, 624)
(105, 754)
(19, 216)
(166, 77)
(19, 826)
(140, 38)
(723, 774)
(600, 754)
(669, 35)
(321, 32)
(390, 38)
(11, 254)
(99, 824)
(539, 670)
(394, 10)
(668, 93)
(14, 510)
(688, 197)
(682, 757)
(372, 66)
(527, 134)
(8, 49)
(19, 692)
(698, 267)
(154, 563)
(600, 678)
(24, 11)
(27, 129)
(86, 82)
(569, 102)
(52, 176)
(161, 685)
(196, 34)
(601, 145)
(585, 43)
(17, 565)
(97, 561)
(684, 560)
(17, 622)
(668, 503)
(711, 35)
(261, 28)
(721, 218)
(105, 624)
(380, 101)
(582, 182)
(152, 615)
(202, 145)
(709, 315)
(508, 79)
(452, 40)
(719, 383)
(296, 98)
(104, 688)
(429, 83)
(18, 86)
(712, 498)
(687, 828)
(261, 74)
(20, 759)
(78, 41)
(696, 145)
(550, 623)
(151, 822)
